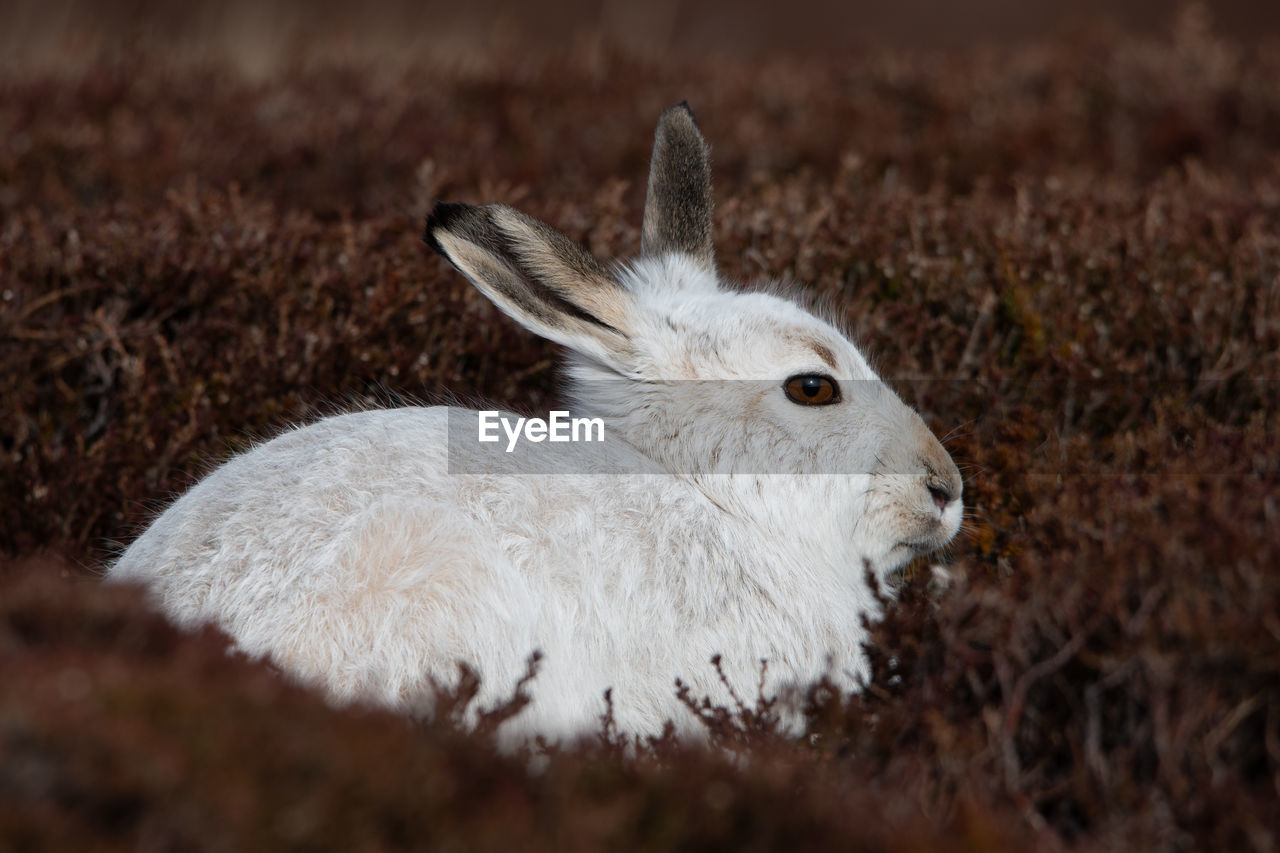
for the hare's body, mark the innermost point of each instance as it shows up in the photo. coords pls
(347, 554)
(755, 469)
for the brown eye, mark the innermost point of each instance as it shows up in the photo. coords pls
(812, 389)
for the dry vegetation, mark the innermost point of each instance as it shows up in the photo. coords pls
(1068, 255)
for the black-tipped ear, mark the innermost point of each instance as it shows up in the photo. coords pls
(442, 216)
(538, 276)
(678, 207)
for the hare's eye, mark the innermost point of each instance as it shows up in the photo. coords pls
(812, 389)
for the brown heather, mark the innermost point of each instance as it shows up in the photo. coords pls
(1067, 255)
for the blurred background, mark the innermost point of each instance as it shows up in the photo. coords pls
(258, 33)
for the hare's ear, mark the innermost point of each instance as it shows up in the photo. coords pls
(538, 276)
(677, 209)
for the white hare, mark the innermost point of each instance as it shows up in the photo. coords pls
(754, 468)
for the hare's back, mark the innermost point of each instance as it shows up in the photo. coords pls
(343, 504)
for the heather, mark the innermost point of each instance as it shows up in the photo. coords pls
(1065, 253)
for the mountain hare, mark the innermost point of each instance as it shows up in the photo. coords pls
(753, 469)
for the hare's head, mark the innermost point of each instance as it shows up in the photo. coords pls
(765, 407)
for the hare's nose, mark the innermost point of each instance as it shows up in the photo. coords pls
(942, 488)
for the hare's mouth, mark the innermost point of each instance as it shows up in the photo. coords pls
(933, 535)
(925, 545)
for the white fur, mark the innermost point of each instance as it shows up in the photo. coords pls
(349, 555)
